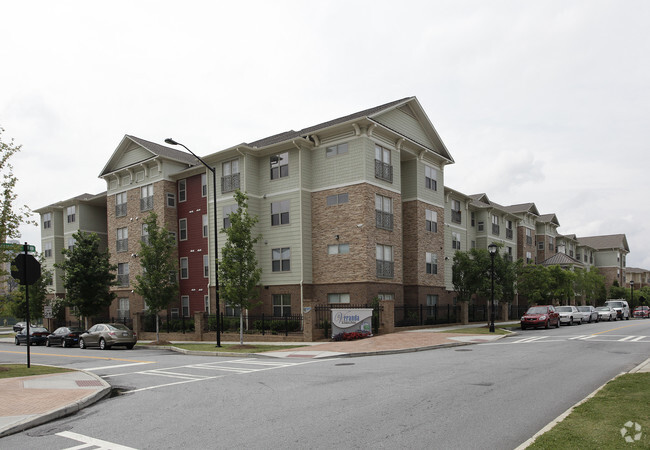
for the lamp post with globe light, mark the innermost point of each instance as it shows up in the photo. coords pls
(492, 248)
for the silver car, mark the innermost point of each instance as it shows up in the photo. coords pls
(606, 313)
(569, 314)
(589, 313)
(106, 335)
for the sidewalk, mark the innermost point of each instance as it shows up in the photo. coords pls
(32, 401)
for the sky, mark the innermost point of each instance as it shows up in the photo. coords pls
(545, 102)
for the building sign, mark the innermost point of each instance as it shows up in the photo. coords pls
(348, 320)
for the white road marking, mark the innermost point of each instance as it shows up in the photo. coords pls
(89, 441)
(119, 365)
(638, 338)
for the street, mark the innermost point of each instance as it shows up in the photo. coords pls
(493, 395)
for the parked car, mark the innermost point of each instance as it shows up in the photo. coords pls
(65, 336)
(19, 326)
(621, 307)
(569, 314)
(589, 314)
(540, 316)
(642, 312)
(106, 335)
(37, 336)
(606, 313)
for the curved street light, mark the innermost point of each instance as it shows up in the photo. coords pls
(170, 141)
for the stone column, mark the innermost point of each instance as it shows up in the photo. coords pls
(308, 320)
(199, 320)
(464, 312)
(137, 323)
(387, 315)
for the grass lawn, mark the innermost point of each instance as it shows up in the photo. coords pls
(234, 348)
(476, 330)
(597, 423)
(21, 370)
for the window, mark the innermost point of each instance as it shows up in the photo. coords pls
(431, 218)
(146, 197)
(338, 298)
(123, 274)
(182, 191)
(280, 166)
(123, 308)
(206, 266)
(430, 178)
(432, 263)
(232, 311)
(338, 249)
(184, 268)
(280, 213)
(529, 236)
(337, 199)
(386, 296)
(230, 178)
(71, 243)
(227, 210)
(281, 259)
(120, 204)
(206, 304)
(338, 149)
(455, 211)
(182, 230)
(472, 218)
(495, 225)
(529, 257)
(473, 244)
(204, 184)
(384, 258)
(144, 238)
(508, 253)
(383, 168)
(122, 239)
(384, 212)
(205, 225)
(171, 199)
(432, 300)
(432, 305)
(540, 244)
(508, 229)
(185, 304)
(550, 243)
(481, 225)
(71, 211)
(281, 305)
(455, 240)
(47, 249)
(47, 220)
(174, 313)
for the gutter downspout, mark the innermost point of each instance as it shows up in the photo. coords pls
(302, 248)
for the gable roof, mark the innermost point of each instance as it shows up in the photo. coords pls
(155, 150)
(548, 218)
(529, 208)
(605, 242)
(561, 259)
(93, 199)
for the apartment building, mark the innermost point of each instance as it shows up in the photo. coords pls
(546, 234)
(610, 252)
(640, 277)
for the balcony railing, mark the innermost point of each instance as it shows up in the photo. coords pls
(385, 269)
(508, 233)
(122, 245)
(120, 210)
(230, 182)
(146, 203)
(383, 171)
(123, 280)
(529, 240)
(455, 216)
(495, 229)
(384, 220)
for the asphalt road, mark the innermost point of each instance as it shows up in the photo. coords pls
(482, 396)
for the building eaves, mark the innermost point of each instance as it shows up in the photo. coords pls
(167, 152)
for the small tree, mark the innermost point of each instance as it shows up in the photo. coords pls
(464, 276)
(535, 283)
(239, 274)
(157, 284)
(87, 275)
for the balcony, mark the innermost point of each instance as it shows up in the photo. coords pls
(385, 269)
(508, 233)
(495, 229)
(146, 203)
(384, 220)
(529, 240)
(123, 280)
(383, 171)
(230, 183)
(120, 210)
(455, 216)
(122, 245)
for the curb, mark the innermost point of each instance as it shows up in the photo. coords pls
(33, 421)
(200, 353)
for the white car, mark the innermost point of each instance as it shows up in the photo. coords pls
(606, 313)
(569, 315)
(589, 314)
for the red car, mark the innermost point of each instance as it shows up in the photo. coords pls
(642, 312)
(540, 316)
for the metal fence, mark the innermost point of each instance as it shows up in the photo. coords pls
(406, 316)
(256, 324)
(324, 315)
(478, 313)
(516, 311)
(167, 324)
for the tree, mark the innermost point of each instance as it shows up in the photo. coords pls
(157, 284)
(87, 275)
(616, 291)
(464, 276)
(239, 274)
(534, 282)
(37, 296)
(562, 282)
(10, 219)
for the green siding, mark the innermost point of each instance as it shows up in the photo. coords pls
(407, 125)
(340, 169)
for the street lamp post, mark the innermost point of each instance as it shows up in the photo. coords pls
(632, 298)
(216, 234)
(492, 248)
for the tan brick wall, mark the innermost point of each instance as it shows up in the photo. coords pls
(418, 241)
(522, 247)
(360, 293)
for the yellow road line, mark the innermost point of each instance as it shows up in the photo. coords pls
(80, 356)
(614, 329)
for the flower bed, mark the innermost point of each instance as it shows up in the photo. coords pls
(351, 336)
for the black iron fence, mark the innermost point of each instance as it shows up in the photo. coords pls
(478, 313)
(407, 316)
(256, 324)
(516, 311)
(324, 315)
(167, 324)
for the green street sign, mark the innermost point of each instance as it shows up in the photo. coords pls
(17, 247)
